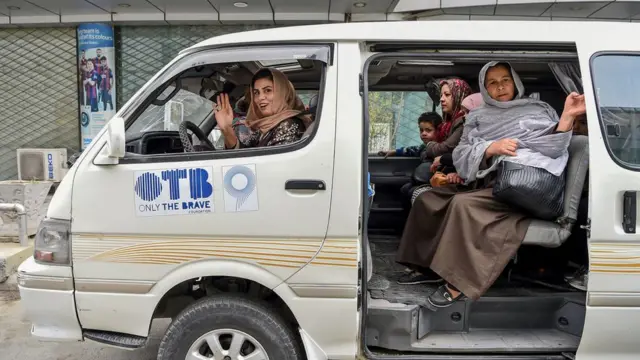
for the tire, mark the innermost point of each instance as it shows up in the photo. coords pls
(230, 312)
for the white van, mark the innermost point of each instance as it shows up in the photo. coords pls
(275, 265)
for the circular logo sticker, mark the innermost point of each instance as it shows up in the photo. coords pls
(84, 119)
(239, 182)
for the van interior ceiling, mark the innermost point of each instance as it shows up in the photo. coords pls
(530, 309)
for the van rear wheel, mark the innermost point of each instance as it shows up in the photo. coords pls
(229, 327)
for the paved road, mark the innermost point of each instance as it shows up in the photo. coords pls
(17, 343)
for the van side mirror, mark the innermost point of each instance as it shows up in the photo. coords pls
(114, 149)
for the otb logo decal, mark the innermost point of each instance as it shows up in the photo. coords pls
(174, 191)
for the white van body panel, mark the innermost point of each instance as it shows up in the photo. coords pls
(135, 310)
(407, 31)
(130, 261)
(345, 205)
(55, 322)
(613, 298)
(51, 285)
(331, 291)
(60, 204)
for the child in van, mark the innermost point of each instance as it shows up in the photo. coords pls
(428, 124)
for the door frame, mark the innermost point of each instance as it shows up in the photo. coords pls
(362, 304)
(613, 296)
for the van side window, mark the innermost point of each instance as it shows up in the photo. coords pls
(616, 82)
(179, 119)
(394, 118)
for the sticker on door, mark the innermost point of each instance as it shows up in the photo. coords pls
(179, 191)
(240, 188)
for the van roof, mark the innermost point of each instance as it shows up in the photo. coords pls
(503, 31)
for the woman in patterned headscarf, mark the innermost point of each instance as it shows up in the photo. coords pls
(275, 117)
(452, 92)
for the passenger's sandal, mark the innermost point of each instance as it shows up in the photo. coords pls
(442, 297)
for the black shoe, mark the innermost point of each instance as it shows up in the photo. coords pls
(442, 297)
(416, 277)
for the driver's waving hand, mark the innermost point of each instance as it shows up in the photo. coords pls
(275, 113)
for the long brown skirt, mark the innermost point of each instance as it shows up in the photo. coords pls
(466, 237)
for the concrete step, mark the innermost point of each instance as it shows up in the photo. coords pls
(11, 256)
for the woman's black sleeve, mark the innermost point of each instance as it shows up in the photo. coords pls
(447, 159)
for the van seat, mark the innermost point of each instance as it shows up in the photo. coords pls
(309, 130)
(313, 107)
(552, 234)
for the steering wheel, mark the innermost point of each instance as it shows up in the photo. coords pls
(186, 140)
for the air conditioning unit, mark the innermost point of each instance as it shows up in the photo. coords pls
(42, 164)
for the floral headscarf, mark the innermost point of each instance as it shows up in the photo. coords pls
(459, 90)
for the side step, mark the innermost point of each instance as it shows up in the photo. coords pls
(124, 341)
(530, 324)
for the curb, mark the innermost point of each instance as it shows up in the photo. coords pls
(11, 284)
(11, 256)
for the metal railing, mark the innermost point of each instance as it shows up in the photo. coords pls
(22, 214)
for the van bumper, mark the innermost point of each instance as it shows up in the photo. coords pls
(48, 302)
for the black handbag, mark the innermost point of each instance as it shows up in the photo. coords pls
(422, 174)
(535, 191)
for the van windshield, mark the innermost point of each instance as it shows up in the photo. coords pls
(195, 109)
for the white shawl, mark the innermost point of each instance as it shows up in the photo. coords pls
(531, 122)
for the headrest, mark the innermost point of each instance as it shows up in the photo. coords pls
(313, 102)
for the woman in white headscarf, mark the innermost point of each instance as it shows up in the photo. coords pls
(461, 234)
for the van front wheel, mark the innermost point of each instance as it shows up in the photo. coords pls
(229, 328)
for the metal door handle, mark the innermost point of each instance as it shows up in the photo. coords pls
(629, 212)
(305, 185)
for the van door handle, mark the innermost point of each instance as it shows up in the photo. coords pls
(629, 212)
(305, 185)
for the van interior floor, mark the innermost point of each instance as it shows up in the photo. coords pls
(513, 316)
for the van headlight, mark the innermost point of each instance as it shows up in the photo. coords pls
(52, 242)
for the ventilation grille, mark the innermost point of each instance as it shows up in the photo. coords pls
(32, 166)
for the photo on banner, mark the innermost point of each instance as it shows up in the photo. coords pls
(97, 78)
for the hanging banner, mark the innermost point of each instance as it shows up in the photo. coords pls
(96, 52)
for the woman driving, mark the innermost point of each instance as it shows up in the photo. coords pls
(275, 113)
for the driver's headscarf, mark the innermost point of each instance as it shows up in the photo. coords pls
(285, 104)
